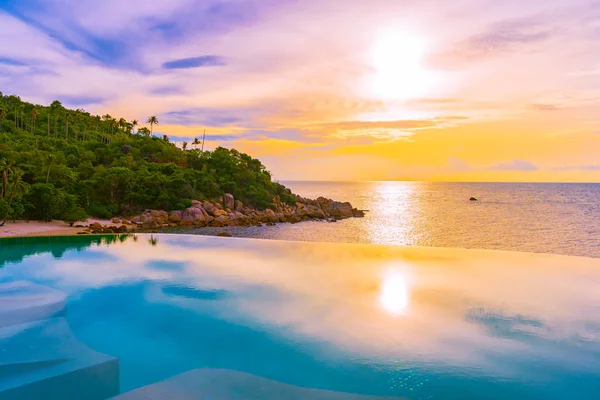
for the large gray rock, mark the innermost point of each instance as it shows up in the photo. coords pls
(229, 201)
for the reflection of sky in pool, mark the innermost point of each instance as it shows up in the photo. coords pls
(408, 322)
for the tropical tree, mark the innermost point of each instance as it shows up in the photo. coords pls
(18, 188)
(153, 120)
(165, 138)
(6, 168)
(184, 145)
(2, 115)
(34, 114)
(195, 143)
(67, 125)
(21, 111)
(134, 123)
(122, 124)
(144, 131)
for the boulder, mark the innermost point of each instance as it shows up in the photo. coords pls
(340, 210)
(208, 206)
(229, 201)
(219, 213)
(175, 217)
(122, 229)
(196, 203)
(271, 216)
(358, 213)
(239, 206)
(473, 199)
(96, 226)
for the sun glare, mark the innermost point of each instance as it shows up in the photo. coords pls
(394, 293)
(398, 62)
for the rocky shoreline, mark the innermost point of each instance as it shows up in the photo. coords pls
(227, 211)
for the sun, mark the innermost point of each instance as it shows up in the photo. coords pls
(398, 62)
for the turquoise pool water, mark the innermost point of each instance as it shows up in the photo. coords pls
(413, 323)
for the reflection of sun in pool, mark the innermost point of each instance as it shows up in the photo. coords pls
(394, 293)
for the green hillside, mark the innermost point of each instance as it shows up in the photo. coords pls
(58, 163)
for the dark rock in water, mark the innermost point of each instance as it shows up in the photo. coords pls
(473, 199)
(224, 234)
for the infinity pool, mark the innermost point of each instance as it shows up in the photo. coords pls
(411, 323)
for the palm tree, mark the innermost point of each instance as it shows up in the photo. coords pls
(184, 145)
(2, 115)
(34, 114)
(97, 118)
(144, 131)
(107, 118)
(18, 187)
(21, 111)
(133, 124)
(50, 159)
(165, 138)
(152, 121)
(122, 124)
(6, 168)
(195, 143)
(67, 124)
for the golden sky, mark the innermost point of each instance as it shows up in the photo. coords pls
(473, 90)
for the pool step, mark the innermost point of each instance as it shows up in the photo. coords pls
(220, 384)
(23, 301)
(40, 358)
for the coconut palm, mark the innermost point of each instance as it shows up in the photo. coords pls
(19, 188)
(133, 125)
(34, 114)
(184, 145)
(6, 169)
(195, 143)
(2, 115)
(144, 131)
(67, 125)
(152, 121)
(49, 162)
(122, 124)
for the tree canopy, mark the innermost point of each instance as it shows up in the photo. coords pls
(57, 163)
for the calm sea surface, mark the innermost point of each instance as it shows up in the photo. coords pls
(559, 218)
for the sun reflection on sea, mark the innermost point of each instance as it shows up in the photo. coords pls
(394, 208)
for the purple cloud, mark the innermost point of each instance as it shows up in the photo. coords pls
(194, 62)
(514, 165)
(502, 37)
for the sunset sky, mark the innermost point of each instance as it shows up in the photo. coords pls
(477, 90)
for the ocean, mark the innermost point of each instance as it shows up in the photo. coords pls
(559, 218)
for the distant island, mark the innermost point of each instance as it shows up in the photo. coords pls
(58, 163)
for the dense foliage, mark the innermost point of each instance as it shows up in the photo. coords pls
(65, 164)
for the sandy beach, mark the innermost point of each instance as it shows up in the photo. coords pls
(38, 228)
